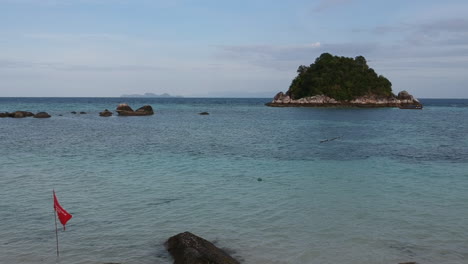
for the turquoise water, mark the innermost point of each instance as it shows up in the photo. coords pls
(392, 188)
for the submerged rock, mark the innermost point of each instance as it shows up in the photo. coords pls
(204, 113)
(187, 248)
(73, 112)
(82, 113)
(106, 113)
(42, 115)
(126, 110)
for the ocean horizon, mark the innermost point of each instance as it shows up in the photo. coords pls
(261, 182)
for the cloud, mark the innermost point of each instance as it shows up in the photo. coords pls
(15, 64)
(91, 38)
(450, 31)
(327, 4)
(285, 58)
(296, 52)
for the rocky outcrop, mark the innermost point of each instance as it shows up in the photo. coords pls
(403, 99)
(145, 110)
(42, 115)
(126, 110)
(22, 114)
(105, 113)
(17, 114)
(187, 248)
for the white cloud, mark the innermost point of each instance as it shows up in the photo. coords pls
(315, 44)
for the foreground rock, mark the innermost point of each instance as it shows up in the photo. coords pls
(403, 100)
(105, 113)
(187, 248)
(42, 115)
(126, 110)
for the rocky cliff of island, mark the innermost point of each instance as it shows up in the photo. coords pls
(342, 81)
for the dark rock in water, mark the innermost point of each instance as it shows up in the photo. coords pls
(73, 112)
(259, 179)
(404, 95)
(125, 110)
(124, 107)
(42, 115)
(60, 115)
(204, 113)
(145, 110)
(17, 114)
(82, 113)
(20, 114)
(187, 248)
(105, 113)
(278, 96)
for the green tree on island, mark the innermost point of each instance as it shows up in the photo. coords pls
(341, 78)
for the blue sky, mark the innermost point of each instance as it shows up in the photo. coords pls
(225, 48)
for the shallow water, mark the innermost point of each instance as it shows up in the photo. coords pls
(392, 188)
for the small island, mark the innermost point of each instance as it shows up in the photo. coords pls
(342, 81)
(164, 95)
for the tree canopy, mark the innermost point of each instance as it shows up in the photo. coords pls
(338, 77)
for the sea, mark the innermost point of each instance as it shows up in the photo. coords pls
(268, 185)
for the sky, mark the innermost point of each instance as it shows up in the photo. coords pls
(215, 48)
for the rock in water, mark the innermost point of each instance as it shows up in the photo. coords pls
(204, 113)
(126, 110)
(404, 95)
(42, 115)
(21, 114)
(145, 110)
(105, 113)
(187, 248)
(18, 114)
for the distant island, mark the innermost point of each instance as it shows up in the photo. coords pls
(342, 81)
(149, 95)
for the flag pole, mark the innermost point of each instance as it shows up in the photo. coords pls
(56, 229)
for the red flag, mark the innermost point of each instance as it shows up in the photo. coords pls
(62, 214)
